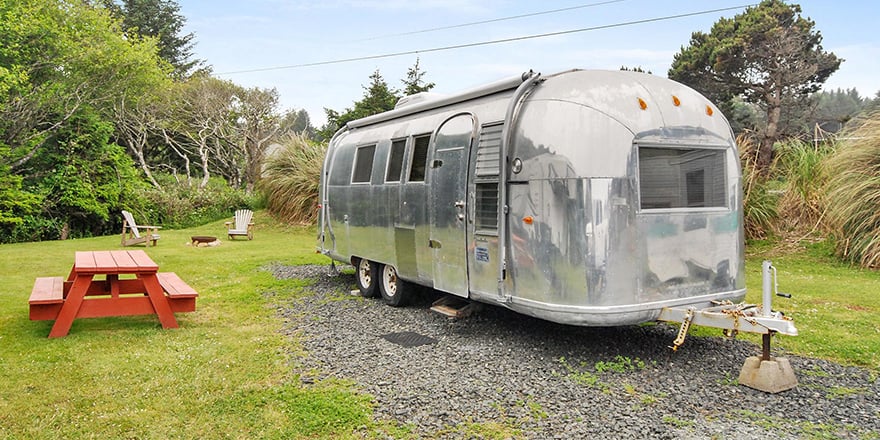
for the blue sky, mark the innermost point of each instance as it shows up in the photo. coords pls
(242, 35)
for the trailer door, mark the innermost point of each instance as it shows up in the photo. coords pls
(447, 203)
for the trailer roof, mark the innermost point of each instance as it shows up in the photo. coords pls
(484, 90)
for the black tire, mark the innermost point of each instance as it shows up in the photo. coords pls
(395, 291)
(366, 273)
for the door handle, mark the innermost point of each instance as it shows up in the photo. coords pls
(459, 204)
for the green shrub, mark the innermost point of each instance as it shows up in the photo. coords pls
(291, 179)
(182, 204)
(35, 228)
(853, 194)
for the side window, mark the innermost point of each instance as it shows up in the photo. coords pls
(363, 164)
(419, 158)
(395, 160)
(486, 175)
(487, 207)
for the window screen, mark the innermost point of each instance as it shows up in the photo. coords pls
(487, 207)
(395, 161)
(363, 164)
(419, 159)
(681, 178)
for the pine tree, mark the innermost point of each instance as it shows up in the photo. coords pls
(378, 97)
(162, 20)
(414, 82)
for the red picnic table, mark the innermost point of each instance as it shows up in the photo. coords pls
(110, 283)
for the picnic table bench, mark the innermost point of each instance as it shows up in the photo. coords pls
(142, 290)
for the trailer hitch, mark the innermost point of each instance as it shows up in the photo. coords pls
(735, 318)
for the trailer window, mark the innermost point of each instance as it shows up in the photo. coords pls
(395, 161)
(672, 178)
(363, 164)
(487, 171)
(486, 214)
(419, 158)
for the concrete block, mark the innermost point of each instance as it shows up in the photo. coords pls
(772, 376)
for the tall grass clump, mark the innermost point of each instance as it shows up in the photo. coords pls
(291, 179)
(759, 203)
(799, 165)
(853, 194)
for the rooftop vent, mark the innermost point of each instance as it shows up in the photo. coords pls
(417, 98)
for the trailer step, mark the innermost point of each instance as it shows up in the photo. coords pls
(455, 307)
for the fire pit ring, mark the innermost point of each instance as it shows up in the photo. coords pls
(199, 239)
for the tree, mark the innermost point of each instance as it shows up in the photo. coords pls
(201, 116)
(837, 107)
(137, 120)
(58, 60)
(413, 83)
(635, 69)
(85, 176)
(378, 98)
(159, 19)
(874, 104)
(297, 122)
(768, 55)
(258, 124)
(226, 128)
(63, 65)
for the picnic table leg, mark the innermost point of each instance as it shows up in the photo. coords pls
(113, 281)
(159, 300)
(71, 306)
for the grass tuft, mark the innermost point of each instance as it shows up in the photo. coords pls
(759, 203)
(801, 207)
(853, 194)
(291, 180)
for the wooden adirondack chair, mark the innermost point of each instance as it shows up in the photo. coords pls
(131, 234)
(241, 224)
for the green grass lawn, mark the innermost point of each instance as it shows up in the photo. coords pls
(226, 372)
(223, 373)
(836, 307)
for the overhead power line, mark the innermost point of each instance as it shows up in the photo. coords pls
(485, 43)
(494, 20)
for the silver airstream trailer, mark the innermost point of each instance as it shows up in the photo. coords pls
(593, 198)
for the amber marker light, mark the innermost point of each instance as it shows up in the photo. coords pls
(528, 220)
(709, 110)
(676, 101)
(643, 104)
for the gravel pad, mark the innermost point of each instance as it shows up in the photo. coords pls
(531, 378)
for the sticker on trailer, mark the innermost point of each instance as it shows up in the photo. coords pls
(481, 254)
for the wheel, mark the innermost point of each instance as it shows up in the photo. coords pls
(395, 291)
(366, 274)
